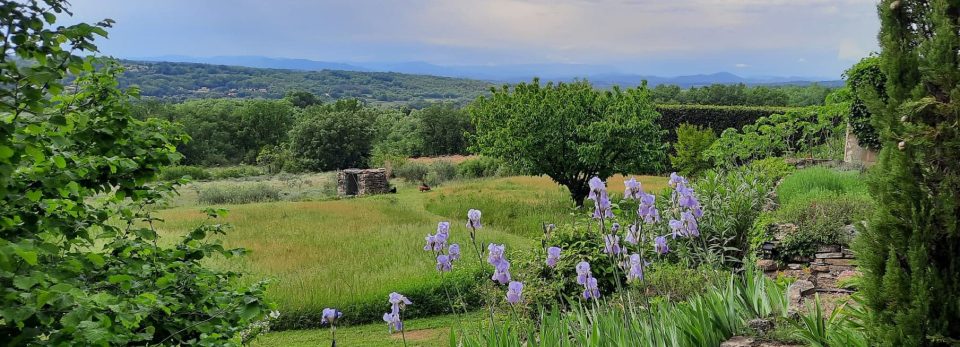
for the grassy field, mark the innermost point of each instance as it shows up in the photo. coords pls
(338, 253)
(425, 332)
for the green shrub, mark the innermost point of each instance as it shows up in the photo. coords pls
(773, 167)
(173, 173)
(820, 216)
(443, 171)
(678, 283)
(790, 133)
(412, 171)
(428, 300)
(820, 178)
(237, 193)
(480, 167)
(239, 171)
(692, 141)
(714, 117)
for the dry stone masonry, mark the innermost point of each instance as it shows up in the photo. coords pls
(358, 182)
(820, 274)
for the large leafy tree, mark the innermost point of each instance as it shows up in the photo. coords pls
(79, 260)
(570, 132)
(334, 136)
(909, 252)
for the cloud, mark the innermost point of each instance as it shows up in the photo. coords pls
(630, 33)
(741, 65)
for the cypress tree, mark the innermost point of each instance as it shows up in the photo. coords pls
(910, 250)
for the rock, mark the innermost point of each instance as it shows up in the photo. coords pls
(848, 253)
(830, 255)
(828, 249)
(800, 259)
(777, 344)
(826, 282)
(781, 230)
(760, 325)
(795, 266)
(767, 265)
(820, 267)
(841, 262)
(738, 341)
(849, 229)
(795, 294)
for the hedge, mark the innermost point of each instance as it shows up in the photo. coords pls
(718, 118)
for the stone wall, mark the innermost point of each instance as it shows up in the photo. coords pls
(820, 274)
(366, 182)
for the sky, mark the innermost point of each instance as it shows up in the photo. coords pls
(807, 38)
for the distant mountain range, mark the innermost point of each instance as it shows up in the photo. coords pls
(599, 75)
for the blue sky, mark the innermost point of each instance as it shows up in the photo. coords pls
(661, 37)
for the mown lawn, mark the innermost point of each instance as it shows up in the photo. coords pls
(426, 332)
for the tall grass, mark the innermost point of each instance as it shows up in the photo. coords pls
(820, 178)
(237, 193)
(352, 253)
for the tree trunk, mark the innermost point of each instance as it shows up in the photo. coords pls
(578, 192)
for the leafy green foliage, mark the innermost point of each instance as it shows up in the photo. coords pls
(443, 128)
(570, 131)
(791, 133)
(483, 167)
(705, 319)
(820, 216)
(866, 82)
(224, 131)
(692, 141)
(79, 261)
(327, 140)
(714, 117)
(838, 329)
(908, 254)
(180, 81)
(741, 95)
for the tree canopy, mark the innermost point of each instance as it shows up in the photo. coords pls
(570, 132)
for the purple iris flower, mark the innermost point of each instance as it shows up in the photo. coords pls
(690, 224)
(431, 244)
(676, 228)
(393, 320)
(473, 219)
(611, 244)
(590, 289)
(648, 209)
(676, 180)
(583, 272)
(614, 228)
(443, 227)
(501, 274)
(636, 268)
(443, 263)
(495, 254)
(553, 255)
(633, 190)
(398, 299)
(596, 186)
(397, 302)
(330, 316)
(633, 234)
(660, 245)
(514, 292)
(454, 252)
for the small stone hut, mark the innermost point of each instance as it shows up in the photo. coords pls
(362, 182)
